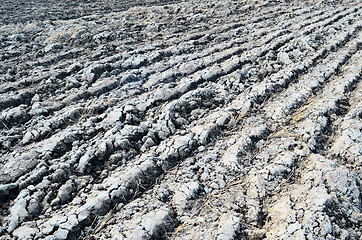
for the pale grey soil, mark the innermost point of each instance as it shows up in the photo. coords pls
(188, 120)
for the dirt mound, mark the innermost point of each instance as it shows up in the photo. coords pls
(181, 120)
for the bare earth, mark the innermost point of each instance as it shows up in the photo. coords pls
(180, 119)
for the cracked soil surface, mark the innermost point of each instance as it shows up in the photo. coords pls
(180, 119)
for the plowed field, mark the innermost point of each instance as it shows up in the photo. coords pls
(180, 120)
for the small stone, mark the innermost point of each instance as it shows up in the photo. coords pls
(27, 137)
(61, 234)
(283, 57)
(31, 188)
(55, 202)
(35, 99)
(214, 185)
(123, 144)
(71, 222)
(201, 148)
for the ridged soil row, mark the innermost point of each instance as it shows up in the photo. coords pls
(270, 170)
(192, 80)
(240, 45)
(320, 197)
(60, 119)
(48, 53)
(27, 11)
(353, 114)
(165, 115)
(26, 96)
(84, 160)
(113, 58)
(182, 147)
(344, 147)
(22, 114)
(189, 190)
(19, 96)
(32, 135)
(72, 114)
(48, 147)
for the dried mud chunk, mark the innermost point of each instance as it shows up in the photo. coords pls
(59, 176)
(18, 166)
(146, 224)
(61, 234)
(18, 214)
(157, 221)
(30, 136)
(72, 222)
(65, 191)
(204, 133)
(54, 221)
(177, 147)
(163, 193)
(6, 188)
(26, 232)
(229, 227)
(17, 113)
(33, 206)
(283, 57)
(184, 193)
(148, 143)
(230, 64)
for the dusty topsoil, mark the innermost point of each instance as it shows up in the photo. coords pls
(180, 119)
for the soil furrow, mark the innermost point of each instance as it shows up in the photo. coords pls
(274, 172)
(185, 120)
(112, 88)
(178, 197)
